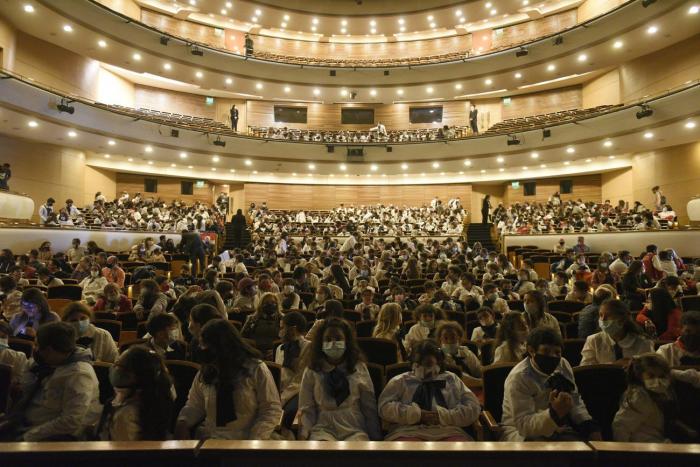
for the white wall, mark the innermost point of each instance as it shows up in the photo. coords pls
(14, 206)
(685, 242)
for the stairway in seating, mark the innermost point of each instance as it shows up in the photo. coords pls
(480, 233)
(229, 244)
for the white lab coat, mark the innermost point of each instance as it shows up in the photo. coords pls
(93, 287)
(599, 348)
(672, 353)
(502, 354)
(397, 409)
(526, 403)
(416, 334)
(17, 360)
(290, 379)
(255, 398)
(103, 347)
(639, 418)
(67, 403)
(322, 419)
(468, 359)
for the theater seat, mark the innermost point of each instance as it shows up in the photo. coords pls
(392, 371)
(380, 351)
(5, 382)
(690, 303)
(601, 387)
(376, 372)
(690, 395)
(70, 292)
(276, 370)
(114, 327)
(566, 306)
(494, 377)
(105, 386)
(26, 346)
(125, 346)
(365, 328)
(572, 350)
(183, 374)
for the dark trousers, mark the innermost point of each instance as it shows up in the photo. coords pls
(289, 411)
(198, 264)
(474, 126)
(485, 216)
(234, 124)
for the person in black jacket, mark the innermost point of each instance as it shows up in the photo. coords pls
(239, 225)
(485, 208)
(193, 246)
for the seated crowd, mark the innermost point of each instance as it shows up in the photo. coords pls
(557, 216)
(433, 219)
(134, 213)
(377, 134)
(285, 340)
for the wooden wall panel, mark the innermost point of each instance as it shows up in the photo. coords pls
(168, 188)
(327, 116)
(592, 8)
(530, 30)
(328, 197)
(543, 102)
(185, 29)
(586, 187)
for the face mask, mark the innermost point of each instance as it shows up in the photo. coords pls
(269, 308)
(546, 363)
(334, 349)
(423, 372)
(604, 265)
(610, 327)
(491, 297)
(691, 342)
(173, 335)
(120, 378)
(531, 308)
(94, 274)
(3, 343)
(427, 324)
(450, 349)
(81, 326)
(288, 289)
(657, 385)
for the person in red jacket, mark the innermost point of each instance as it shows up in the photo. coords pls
(112, 300)
(662, 315)
(650, 271)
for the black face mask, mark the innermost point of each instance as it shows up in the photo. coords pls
(546, 363)
(691, 342)
(269, 309)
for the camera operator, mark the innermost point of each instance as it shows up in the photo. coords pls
(541, 401)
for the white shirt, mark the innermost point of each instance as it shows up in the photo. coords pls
(599, 348)
(618, 267)
(672, 353)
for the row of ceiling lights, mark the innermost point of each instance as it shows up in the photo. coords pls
(608, 143)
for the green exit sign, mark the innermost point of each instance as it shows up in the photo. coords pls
(209, 100)
(506, 101)
(199, 184)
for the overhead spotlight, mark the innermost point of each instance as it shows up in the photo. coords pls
(513, 140)
(521, 52)
(219, 142)
(64, 107)
(194, 50)
(647, 3)
(164, 40)
(559, 40)
(546, 133)
(645, 112)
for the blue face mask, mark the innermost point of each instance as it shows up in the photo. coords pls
(81, 326)
(610, 327)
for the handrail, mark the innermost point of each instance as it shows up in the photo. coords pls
(507, 49)
(106, 107)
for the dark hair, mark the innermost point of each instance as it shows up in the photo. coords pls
(339, 277)
(352, 355)
(427, 308)
(203, 313)
(581, 285)
(662, 306)
(7, 283)
(223, 287)
(601, 295)
(153, 381)
(76, 307)
(333, 309)
(543, 336)
(426, 348)
(469, 277)
(651, 248)
(58, 335)
(541, 305)
(230, 351)
(619, 309)
(35, 296)
(295, 319)
(691, 318)
(159, 322)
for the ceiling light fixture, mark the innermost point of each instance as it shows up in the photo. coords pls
(102, 43)
(248, 162)
(618, 44)
(72, 134)
(183, 155)
(67, 28)
(436, 165)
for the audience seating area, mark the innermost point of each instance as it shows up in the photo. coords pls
(516, 125)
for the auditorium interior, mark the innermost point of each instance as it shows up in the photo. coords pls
(266, 232)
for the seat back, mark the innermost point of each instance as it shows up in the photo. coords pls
(572, 350)
(125, 346)
(365, 328)
(105, 386)
(276, 370)
(70, 292)
(112, 326)
(129, 320)
(57, 305)
(690, 395)
(25, 346)
(494, 377)
(5, 383)
(566, 306)
(392, 371)
(380, 351)
(182, 373)
(601, 387)
(690, 303)
(376, 372)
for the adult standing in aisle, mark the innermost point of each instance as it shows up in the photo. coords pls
(485, 208)
(234, 118)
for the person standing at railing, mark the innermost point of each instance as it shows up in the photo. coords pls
(485, 208)
(5, 174)
(234, 118)
(473, 119)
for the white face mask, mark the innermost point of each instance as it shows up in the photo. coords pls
(173, 335)
(334, 349)
(288, 289)
(423, 372)
(657, 385)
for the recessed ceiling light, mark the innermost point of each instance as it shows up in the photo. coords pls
(589, 160)
(258, 12)
(373, 31)
(343, 30)
(430, 18)
(373, 167)
(582, 58)
(32, 124)
(223, 11)
(652, 29)
(107, 156)
(150, 162)
(524, 167)
(343, 167)
(232, 171)
(551, 67)
(404, 166)
(215, 159)
(193, 2)
(372, 92)
(429, 90)
(344, 22)
(67, 28)
(167, 66)
(173, 165)
(312, 166)
(608, 144)
(543, 166)
(317, 92)
(248, 162)
(458, 13)
(488, 5)
(229, 5)
(213, 169)
(518, 75)
(28, 8)
(343, 92)
(501, 169)
(399, 92)
(405, 175)
(567, 162)
(294, 174)
(570, 150)
(254, 19)
(190, 166)
(526, 2)
(373, 23)
(462, 19)
(287, 89)
(229, 81)
(258, 86)
(402, 28)
(102, 43)
(148, 149)
(458, 86)
(422, 174)
(494, 12)
(690, 125)
(442, 173)
(313, 28)
(534, 155)
(199, 74)
(488, 81)
(401, 21)
(483, 171)
(618, 44)
(136, 57)
(693, 10)
(500, 159)
(131, 159)
(111, 142)
(72, 134)
(436, 165)
(461, 172)
(432, 25)
(648, 135)
(467, 162)
(314, 20)
(183, 155)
